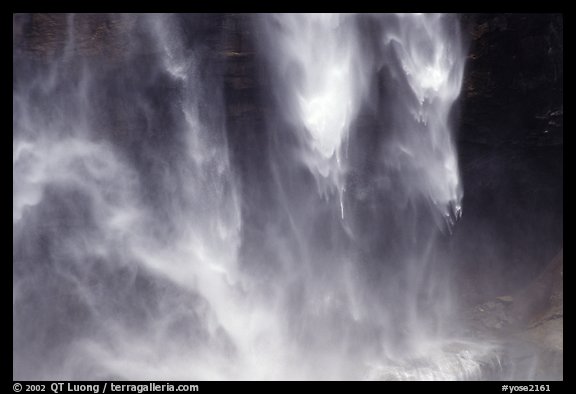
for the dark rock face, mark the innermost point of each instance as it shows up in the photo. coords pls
(514, 79)
(510, 145)
(46, 35)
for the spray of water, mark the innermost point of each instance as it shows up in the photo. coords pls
(140, 251)
(429, 53)
(403, 73)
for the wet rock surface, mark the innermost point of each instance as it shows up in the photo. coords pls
(512, 88)
(529, 326)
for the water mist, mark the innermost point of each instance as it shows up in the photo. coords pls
(149, 245)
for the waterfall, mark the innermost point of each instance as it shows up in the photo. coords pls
(155, 238)
(125, 236)
(368, 100)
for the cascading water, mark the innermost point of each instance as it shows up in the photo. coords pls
(155, 238)
(368, 98)
(123, 243)
(320, 70)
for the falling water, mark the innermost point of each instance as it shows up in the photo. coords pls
(368, 98)
(156, 239)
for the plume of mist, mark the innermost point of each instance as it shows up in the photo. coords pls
(141, 250)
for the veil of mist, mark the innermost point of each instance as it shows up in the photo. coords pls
(287, 196)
